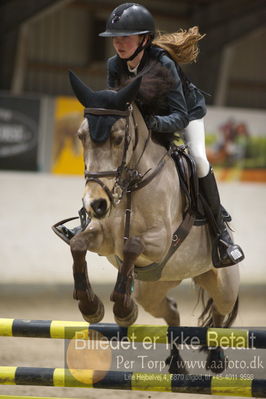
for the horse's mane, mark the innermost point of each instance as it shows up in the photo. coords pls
(156, 82)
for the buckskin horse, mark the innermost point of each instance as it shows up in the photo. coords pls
(134, 204)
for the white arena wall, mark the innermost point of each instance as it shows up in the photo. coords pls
(30, 203)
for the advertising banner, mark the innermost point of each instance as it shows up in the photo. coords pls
(235, 141)
(19, 120)
(67, 150)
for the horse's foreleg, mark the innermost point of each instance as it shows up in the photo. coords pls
(89, 304)
(125, 309)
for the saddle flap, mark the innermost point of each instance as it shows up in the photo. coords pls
(186, 169)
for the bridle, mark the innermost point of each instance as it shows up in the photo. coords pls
(128, 180)
(125, 177)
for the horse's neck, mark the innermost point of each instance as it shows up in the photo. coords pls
(153, 151)
(168, 186)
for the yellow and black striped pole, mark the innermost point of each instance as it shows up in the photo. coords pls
(31, 397)
(197, 384)
(212, 337)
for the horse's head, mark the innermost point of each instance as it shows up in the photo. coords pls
(106, 136)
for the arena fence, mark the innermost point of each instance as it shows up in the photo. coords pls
(129, 380)
(212, 337)
(30, 397)
(119, 380)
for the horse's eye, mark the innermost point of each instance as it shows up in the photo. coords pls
(117, 140)
(81, 136)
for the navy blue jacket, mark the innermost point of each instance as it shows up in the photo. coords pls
(185, 101)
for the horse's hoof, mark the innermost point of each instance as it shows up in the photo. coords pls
(216, 360)
(129, 319)
(175, 366)
(95, 317)
(176, 363)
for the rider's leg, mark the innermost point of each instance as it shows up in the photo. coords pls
(194, 137)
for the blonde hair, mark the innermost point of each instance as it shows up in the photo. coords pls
(182, 46)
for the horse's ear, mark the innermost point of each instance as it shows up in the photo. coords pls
(83, 93)
(128, 94)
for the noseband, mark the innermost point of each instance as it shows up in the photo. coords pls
(124, 176)
(126, 179)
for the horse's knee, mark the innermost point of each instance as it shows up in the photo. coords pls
(133, 248)
(78, 245)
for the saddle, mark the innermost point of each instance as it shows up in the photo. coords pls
(196, 212)
(196, 204)
(186, 170)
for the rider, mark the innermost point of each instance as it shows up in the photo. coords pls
(131, 27)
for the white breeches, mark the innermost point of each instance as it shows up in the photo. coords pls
(194, 137)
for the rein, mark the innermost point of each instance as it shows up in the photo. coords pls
(126, 179)
(113, 195)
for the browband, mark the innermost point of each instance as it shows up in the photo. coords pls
(106, 111)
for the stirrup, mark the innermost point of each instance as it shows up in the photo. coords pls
(235, 253)
(232, 254)
(62, 231)
(66, 234)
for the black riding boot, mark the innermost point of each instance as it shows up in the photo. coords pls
(225, 252)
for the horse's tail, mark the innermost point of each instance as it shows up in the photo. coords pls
(205, 319)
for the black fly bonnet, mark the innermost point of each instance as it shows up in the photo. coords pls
(100, 124)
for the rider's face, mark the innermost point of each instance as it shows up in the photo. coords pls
(125, 46)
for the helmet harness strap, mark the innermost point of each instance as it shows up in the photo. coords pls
(140, 48)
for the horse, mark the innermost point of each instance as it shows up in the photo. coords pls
(134, 203)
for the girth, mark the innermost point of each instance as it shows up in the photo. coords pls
(153, 271)
(128, 180)
(135, 181)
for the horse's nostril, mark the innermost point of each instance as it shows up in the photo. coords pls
(99, 206)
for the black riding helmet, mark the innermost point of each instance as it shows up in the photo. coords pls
(129, 19)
